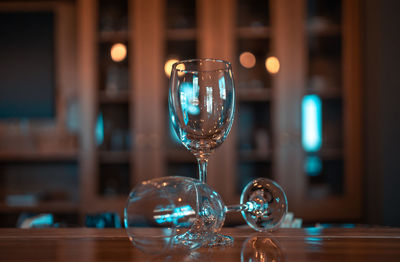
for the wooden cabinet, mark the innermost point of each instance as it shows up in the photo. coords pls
(124, 133)
(39, 166)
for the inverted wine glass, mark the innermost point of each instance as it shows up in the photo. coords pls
(202, 106)
(172, 213)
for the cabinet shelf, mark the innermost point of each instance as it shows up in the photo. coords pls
(114, 157)
(51, 206)
(114, 36)
(180, 156)
(254, 156)
(254, 94)
(181, 34)
(253, 32)
(110, 203)
(121, 97)
(45, 156)
(328, 93)
(331, 153)
(324, 30)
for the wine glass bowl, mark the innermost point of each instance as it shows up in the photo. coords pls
(181, 212)
(202, 105)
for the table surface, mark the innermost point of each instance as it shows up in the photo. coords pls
(310, 244)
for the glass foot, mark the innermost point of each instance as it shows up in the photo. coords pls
(219, 240)
(193, 241)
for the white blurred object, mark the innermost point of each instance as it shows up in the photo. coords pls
(291, 222)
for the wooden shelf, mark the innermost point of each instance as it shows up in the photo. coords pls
(254, 156)
(253, 32)
(107, 204)
(53, 206)
(33, 156)
(114, 98)
(331, 153)
(181, 34)
(179, 156)
(114, 36)
(328, 93)
(114, 157)
(254, 94)
(324, 30)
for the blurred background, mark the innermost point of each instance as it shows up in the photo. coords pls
(84, 117)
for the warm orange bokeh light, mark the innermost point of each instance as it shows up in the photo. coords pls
(272, 64)
(118, 52)
(247, 60)
(168, 67)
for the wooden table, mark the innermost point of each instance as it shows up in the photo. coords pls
(312, 244)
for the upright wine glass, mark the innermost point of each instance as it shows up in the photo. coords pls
(202, 106)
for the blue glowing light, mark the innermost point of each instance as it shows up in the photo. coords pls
(311, 123)
(99, 131)
(313, 165)
(313, 231)
(173, 214)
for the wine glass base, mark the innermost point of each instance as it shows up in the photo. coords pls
(193, 241)
(219, 240)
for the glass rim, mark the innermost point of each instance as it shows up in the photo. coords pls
(228, 65)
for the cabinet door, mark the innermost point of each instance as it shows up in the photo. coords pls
(317, 110)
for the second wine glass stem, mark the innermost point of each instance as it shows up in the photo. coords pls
(236, 208)
(249, 207)
(202, 161)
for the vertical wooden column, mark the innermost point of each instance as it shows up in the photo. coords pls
(216, 39)
(147, 87)
(87, 66)
(351, 71)
(288, 44)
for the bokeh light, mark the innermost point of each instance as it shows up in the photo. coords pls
(118, 52)
(168, 67)
(272, 64)
(247, 60)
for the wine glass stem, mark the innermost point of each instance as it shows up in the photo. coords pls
(202, 161)
(250, 206)
(236, 208)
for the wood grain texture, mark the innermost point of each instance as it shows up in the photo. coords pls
(313, 244)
